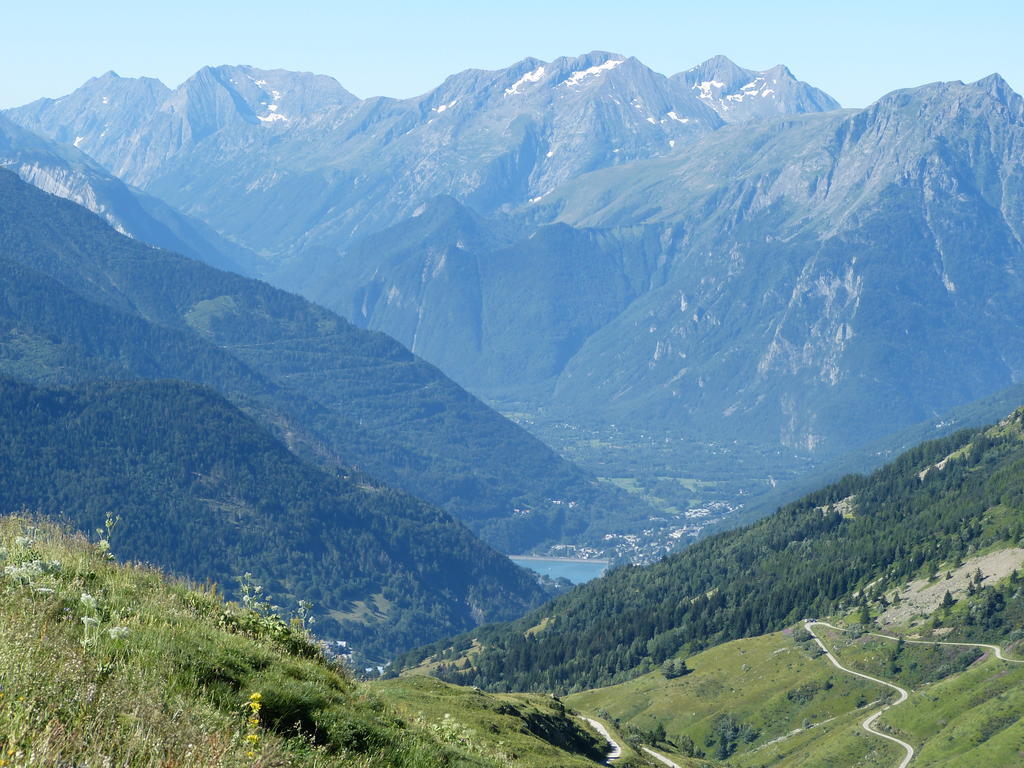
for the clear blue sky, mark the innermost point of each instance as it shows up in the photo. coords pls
(854, 50)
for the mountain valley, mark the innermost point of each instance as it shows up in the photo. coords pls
(705, 656)
(293, 382)
(331, 390)
(587, 242)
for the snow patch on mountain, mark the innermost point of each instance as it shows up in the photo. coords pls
(706, 86)
(530, 77)
(579, 76)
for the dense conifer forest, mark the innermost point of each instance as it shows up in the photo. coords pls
(803, 561)
(202, 490)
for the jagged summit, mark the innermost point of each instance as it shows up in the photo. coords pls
(741, 95)
(999, 89)
(717, 66)
(995, 79)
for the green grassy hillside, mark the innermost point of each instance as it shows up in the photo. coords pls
(738, 697)
(108, 664)
(530, 728)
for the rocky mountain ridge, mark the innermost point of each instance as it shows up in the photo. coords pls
(591, 237)
(69, 173)
(225, 148)
(741, 95)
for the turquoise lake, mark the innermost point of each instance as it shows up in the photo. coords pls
(576, 571)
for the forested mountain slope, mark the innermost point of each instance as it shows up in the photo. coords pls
(937, 502)
(205, 492)
(84, 302)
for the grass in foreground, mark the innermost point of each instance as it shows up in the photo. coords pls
(108, 664)
(529, 729)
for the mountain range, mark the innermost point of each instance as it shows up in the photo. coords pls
(721, 255)
(723, 252)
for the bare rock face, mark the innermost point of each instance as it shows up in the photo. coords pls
(67, 172)
(834, 271)
(741, 95)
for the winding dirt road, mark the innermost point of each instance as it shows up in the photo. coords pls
(660, 757)
(997, 650)
(868, 724)
(614, 750)
(903, 694)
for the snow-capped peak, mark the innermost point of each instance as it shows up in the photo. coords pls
(742, 95)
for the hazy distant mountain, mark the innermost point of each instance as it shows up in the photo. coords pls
(102, 117)
(592, 237)
(804, 281)
(78, 302)
(66, 172)
(307, 169)
(828, 272)
(742, 95)
(498, 307)
(133, 125)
